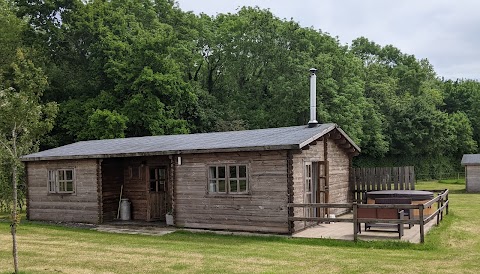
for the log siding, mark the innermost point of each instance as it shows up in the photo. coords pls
(111, 183)
(338, 175)
(263, 209)
(82, 206)
(313, 153)
(135, 188)
(339, 170)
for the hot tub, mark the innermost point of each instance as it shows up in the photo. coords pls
(417, 196)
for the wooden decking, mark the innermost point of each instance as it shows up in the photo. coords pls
(344, 231)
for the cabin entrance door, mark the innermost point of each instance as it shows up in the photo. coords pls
(321, 186)
(156, 192)
(316, 188)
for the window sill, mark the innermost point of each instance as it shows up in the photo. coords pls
(62, 193)
(228, 195)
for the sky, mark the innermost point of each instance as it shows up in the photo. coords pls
(446, 32)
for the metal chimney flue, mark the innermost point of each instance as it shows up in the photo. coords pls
(313, 98)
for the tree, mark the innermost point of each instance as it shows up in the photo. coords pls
(23, 120)
(11, 29)
(125, 50)
(105, 124)
(464, 96)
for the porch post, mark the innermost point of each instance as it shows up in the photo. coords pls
(355, 221)
(99, 191)
(171, 186)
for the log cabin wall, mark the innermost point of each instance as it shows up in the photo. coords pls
(112, 180)
(339, 171)
(338, 175)
(135, 186)
(82, 206)
(263, 209)
(314, 152)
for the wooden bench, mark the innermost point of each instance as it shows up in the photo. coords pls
(408, 213)
(381, 213)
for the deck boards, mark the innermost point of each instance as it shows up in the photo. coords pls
(344, 231)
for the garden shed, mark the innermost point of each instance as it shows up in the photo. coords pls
(238, 180)
(472, 172)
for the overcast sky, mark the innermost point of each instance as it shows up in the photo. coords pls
(446, 32)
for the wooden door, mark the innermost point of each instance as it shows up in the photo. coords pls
(157, 189)
(309, 189)
(322, 189)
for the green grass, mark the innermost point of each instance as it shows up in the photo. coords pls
(453, 247)
(453, 181)
(5, 216)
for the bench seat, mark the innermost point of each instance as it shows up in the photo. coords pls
(381, 213)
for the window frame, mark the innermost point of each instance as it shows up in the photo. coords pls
(57, 183)
(214, 181)
(160, 182)
(134, 172)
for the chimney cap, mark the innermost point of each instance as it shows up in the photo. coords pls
(313, 70)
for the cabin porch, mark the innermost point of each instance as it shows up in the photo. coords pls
(422, 216)
(146, 182)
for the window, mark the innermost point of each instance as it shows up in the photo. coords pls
(217, 179)
(158, 179)
(134, 172)
(228, 179)
(61, 181)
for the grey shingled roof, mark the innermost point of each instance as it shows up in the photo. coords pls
(260, 139)
(471, 159)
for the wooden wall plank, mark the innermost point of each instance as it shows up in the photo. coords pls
(264, 209)
(82, 206)
(112, 180)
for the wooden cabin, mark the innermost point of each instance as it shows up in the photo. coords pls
(472, 172)
(239, 180)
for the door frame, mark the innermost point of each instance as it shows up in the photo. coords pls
(322, 186)
(148, 181)
(316, 177)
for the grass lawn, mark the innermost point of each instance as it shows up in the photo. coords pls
(453, 247)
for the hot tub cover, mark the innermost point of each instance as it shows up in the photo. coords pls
(415, 195)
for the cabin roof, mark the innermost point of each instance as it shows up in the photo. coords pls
(295, 137)
(470, 159)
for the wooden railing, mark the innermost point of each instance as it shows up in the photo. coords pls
(442, 207)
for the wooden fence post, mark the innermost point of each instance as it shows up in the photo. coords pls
(355, 222)
(447, 204)
(422, 224)
(439, 205)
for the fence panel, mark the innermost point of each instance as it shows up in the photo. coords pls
(364, 179)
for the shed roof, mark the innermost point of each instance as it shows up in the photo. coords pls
(295, 137)
(470, 159)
